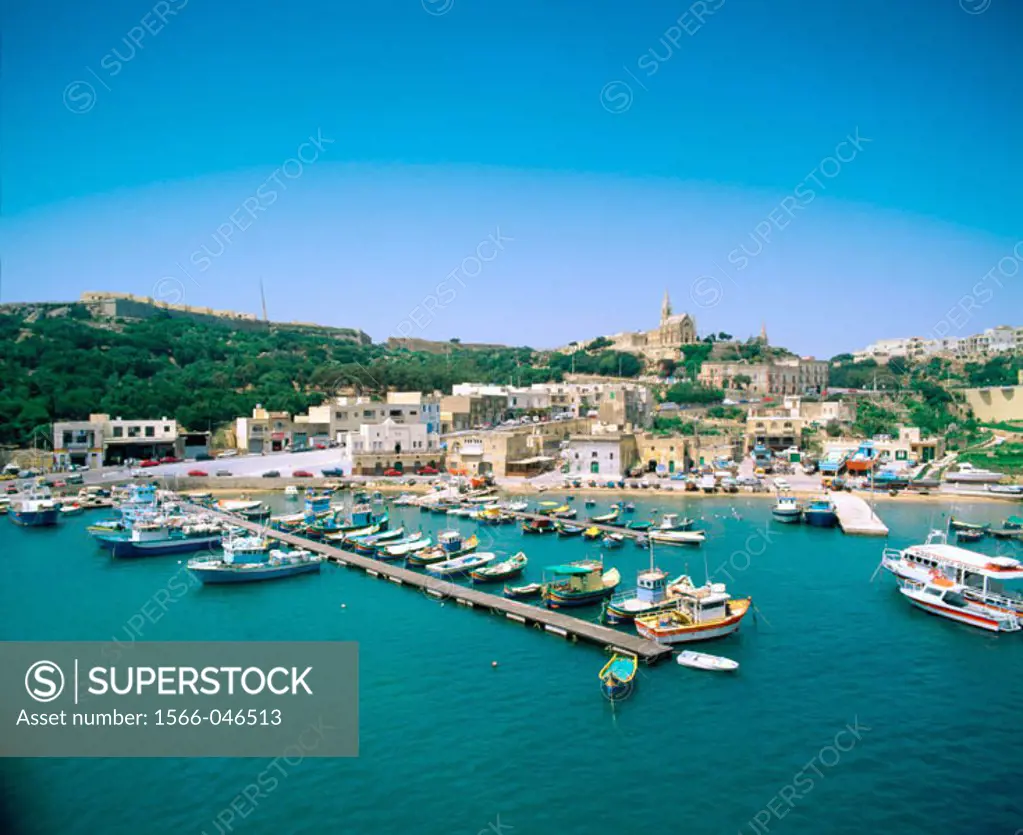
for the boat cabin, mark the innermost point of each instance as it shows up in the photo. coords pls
(579, 577)
(650, 585)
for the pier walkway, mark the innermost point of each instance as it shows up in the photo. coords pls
(554, 622)
(855, 516)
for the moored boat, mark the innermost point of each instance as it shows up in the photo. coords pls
(592, 533)
(606, 518)
(538, 526)
(403, 547)
(618, 676)
(450, 545)
(970, 536)
(72, 509)
(698, 615)
(34, 508)
(279, 564)
(677, 537)
(504, 570)
(788, 510)
(960, 525)
(672, 522)
(969, 474)
(523, 592)
(460, 566)
(150, 539)
(821, 513)
(653, 593)
(944, 597)
(579, 584)
(613, 541)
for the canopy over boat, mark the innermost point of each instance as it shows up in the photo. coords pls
(572, 569)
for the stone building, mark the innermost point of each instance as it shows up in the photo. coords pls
(663, 342)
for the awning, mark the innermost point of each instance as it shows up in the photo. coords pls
(277, 436)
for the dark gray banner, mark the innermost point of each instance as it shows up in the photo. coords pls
(188, 699)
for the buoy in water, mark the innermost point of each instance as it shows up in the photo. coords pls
(493, 664)
(344, 606)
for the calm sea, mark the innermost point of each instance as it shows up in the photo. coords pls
(851, 712)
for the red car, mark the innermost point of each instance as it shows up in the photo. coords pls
(391, 472)
(149, 462)
(427, 471)
(302, 474)
(59, 484)
(169, 459)
(198, 473)
(12, 488)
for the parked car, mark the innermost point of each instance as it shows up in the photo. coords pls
(227, 453)
(301, 448)
(203, 456)
(198, 473)
(140, 473)
(12, 488)
(75, 478)
(427, 470)
(271, 474)
(391, 472)
(333, 472)
(58, 483)
(150, 462)
(169, 459)
(301, 474)
(222, 472)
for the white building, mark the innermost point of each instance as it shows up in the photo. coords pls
(389, 437)
(608, 456)
(348, 414)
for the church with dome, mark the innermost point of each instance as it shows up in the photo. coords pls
(663, 342)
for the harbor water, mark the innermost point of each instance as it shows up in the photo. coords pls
(851, 711)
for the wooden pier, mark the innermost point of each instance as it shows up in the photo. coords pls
(554, 622)
(855, 516)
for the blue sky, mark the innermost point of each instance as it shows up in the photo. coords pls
(613, 151)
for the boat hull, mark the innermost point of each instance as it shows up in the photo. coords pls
(219, 576)
(788, 517)
(970, 618)
(692, 633)
(128, 549)
(567, 600)
(616, 615)
(35, 518)
(820, 518)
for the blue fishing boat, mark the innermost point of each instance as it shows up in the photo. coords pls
(367, 545)
(821, 513)
(279, 564)
(151, 539)
(565, 529)
(579, 584)
(618, 676)
(34, 509)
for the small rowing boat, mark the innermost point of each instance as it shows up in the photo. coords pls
(460, 566)
(618, 676)
(504, 570)
(705, 661)
(677, 537)
(523, 592)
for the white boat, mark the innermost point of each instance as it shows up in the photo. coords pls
(705, 661)
(460, 565)
(981, 577)
(699, 615)
(671, 522)
(968, 474)
(238, 505)
(708, 484)
(1006, 489)
(237, 546)
(943, 597)
(788, 509)
(517, 507)
(677, 537)
(405, 548)
(291, 492)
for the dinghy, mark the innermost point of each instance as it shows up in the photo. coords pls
(460, 566)
(705, 661)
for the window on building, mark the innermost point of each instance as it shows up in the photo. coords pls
(150, 431)
(611, 456)
(133, 431)
(593, 455)
(340, 415)
(118, 431)
(368, 413)
(166, 429)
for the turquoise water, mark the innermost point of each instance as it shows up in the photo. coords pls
(451, 745)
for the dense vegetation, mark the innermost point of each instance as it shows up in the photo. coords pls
(204, 376)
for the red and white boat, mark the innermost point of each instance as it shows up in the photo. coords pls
(982, 578)
(944, 597)
(699, 615)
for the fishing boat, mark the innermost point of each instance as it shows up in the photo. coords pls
(677, 537)
(613, 541)
(863, 460)
(72, 509)
(367, 544)
(291, 493)
(450, 545)
(618, 676)
(606, 519)
(629, 507)
(579, 584)
(345, 538)
(704, 661)
(564, 529)
(461, 566)
(279, 564)
(788, 510)
(492, 516)
(34, 508)
(517, 507)
(698, 615)
(523, 592)
(1015, 522)
(538, 526)
(672, 522)
(150, 539)
(969, 474)
(970, 536)
(1005, 489)
(244, 546)
(653, 593)
(960, 525)
(821, 513)
(980, 578)
(708, 484)
(567, 513)
(504, 570)
(944, 597)
(589, 502)
(640, 526)
(548, 508)
(592, 533)
(403, 547)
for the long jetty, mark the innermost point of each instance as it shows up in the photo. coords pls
(857, 517)
(553, 622)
